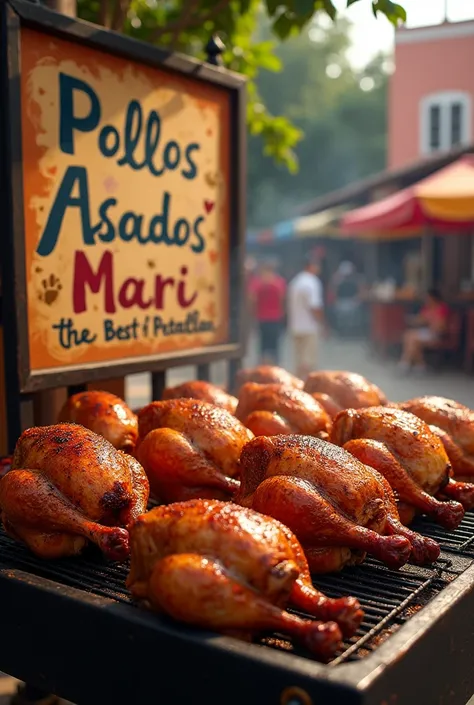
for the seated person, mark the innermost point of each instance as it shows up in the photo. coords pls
(428, 328)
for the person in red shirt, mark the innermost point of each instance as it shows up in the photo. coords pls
(428, 327)
(267, 293)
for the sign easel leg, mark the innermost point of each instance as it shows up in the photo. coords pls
(158, 384)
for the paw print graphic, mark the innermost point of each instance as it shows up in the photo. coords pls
(50, 290)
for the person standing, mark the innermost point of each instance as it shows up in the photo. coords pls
(305, 317)
(267, 291)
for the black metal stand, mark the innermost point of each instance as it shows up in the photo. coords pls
(158, 384)
(204, 372)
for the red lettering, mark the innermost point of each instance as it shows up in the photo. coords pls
(85, 276)
(160, 285)
(182, 300)
(135, 296)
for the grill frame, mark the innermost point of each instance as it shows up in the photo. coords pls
(52, 632)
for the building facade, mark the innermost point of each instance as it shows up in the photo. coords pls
(431, 97)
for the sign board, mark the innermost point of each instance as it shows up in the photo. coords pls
(127, 203)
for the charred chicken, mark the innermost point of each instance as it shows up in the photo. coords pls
(270, 409)
(337, 507)
(204, 391)
(106, 415)
(69, 486)
(190, 449)
(411, 457)
(219, 566)
(337, 390)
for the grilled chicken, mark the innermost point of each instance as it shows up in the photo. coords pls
(268, 374)
(204, 391)
(337, 507)
(106, 415)
(454, 424)
(271, 409)
(411, 457)
(190, 449)
(219, 566)
(337, 390)
(68, 486)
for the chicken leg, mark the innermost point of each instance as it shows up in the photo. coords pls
(201, 591)
(183, 474)
(377, 455)
(300, 505)
(36, 512)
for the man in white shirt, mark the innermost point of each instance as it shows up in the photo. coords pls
(305, 317)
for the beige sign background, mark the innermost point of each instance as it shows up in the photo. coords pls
(126, 223)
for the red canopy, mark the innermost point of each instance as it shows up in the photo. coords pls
(444, 200)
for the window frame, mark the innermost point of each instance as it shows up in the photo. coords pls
(444, 100)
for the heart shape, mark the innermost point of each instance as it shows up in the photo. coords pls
(208, 206)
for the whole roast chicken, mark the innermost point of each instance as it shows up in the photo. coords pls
(454, 424)
(190, 449)
(105, 414)
(223, 567)
(412, 458)
(270, 409)
(204, 391)
(338, 508)
(69, 486)
(268, 374)
(337, 390)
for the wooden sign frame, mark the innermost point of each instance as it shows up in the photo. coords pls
(16, 14)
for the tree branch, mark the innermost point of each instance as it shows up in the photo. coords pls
(189, 11)
(185, 23)
(119, 15)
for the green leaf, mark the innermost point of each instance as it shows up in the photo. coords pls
(351, 2)
(283, 26)
(330, 9)
(272, 6)
(303, 7)
(392, 10)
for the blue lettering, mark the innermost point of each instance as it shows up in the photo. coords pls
(133, 131)
(200, 244)
(181, 224)
(64, 200)
(162, 221)
(130, 226)
(109, 233)
(109, 147)
(191, 172)
(172, 160)
(153, 131)
(68, 121)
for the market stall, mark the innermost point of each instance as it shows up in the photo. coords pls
(87, 136)
(439, 211)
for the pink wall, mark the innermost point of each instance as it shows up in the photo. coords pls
(423, 67)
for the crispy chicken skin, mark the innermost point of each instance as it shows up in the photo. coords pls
(454, 424)
(344, 390)
(106, 415)
(67, 486)
(404, 449)
(204, 391)
(271, 409)
(190, 449)
(219, 566)
(268, 374)
(337, 507)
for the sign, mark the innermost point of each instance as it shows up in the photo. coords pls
(130, 205)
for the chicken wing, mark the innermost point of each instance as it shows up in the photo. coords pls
(268, 374)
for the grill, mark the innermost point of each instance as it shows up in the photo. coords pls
(73, 629)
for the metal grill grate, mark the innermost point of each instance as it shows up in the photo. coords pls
(388, 597)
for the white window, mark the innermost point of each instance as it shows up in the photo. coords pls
(445, 121)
